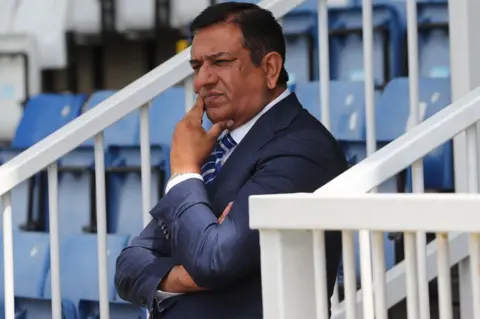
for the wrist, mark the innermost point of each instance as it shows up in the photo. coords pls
(179, 175)
(182, 170)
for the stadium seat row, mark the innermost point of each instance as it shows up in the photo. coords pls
(346, 42)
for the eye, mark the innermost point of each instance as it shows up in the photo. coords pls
(222, 62)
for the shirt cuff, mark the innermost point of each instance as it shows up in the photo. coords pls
(176, 180)
(162, 295)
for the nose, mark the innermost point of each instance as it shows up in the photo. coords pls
(204, 77)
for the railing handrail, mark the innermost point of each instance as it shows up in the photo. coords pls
(383, 212)
(408, 148)
(93, 122)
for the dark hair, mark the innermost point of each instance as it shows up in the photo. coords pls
(261, 31)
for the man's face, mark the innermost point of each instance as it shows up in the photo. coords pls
(224, 75)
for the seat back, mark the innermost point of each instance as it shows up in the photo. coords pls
(43, 115)
(393, 120)
(123, 132)
(346, 51)
(79, 266)
(31, 255)
(301, 39)
(166, 111)
(434, 40)
(77, 184)
(347, 113)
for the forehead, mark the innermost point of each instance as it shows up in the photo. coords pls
(224, 37)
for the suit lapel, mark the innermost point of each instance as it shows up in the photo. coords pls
(276, 119)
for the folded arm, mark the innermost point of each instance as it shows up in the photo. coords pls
(217, 254)
(142, 265)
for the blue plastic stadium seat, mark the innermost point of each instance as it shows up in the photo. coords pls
(79, 270)
(434, 41)
(393, 113)
(347, 113)
(346, 51)
(346, 44)
(301, 40)
(43, 115)
(76, 184)
(125, 188)
(31, 264)
(118, 310)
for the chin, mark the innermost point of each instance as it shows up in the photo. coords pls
(218, 114)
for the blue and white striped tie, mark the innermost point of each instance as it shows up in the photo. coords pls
(213, 164)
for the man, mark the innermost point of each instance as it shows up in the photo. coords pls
(198, 258)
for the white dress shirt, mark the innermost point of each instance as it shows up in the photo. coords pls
(237, 134)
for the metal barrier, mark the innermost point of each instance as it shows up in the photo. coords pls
(289, 245)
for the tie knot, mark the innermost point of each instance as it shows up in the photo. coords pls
(214, 162)
(227, 142)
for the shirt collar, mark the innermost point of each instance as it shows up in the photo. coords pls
(240, 132)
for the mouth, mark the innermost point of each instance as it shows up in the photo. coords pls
(212, 97)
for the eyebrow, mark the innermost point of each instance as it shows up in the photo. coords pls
(212, 57)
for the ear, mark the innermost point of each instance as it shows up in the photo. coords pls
(272, 64)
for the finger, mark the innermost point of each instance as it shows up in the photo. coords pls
(198, 108)
(225, 213)
(214, 132)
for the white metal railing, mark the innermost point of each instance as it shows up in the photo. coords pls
(92, 124)
(287, 246)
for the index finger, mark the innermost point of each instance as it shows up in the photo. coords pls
(198, 108)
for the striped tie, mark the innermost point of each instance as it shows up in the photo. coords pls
(211, 168)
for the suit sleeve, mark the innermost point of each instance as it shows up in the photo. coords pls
(141, 266)
(216, 255)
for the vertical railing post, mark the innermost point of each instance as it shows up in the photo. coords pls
(320, 273)
(101, 225)
(349, 276)
(381, 310)
(283, 253)
(366, 274)
(444, 280)
(146, 170)
(472, 264)
(189, 93)
(474, 244)
(364, 235)
(417, 167)
(324, 59)
(367, 14)
(8, 256)
(54, 241)
(411, 275)
(324, 73)
(464, 51)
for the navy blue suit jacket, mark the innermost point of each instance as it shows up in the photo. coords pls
(286, 151)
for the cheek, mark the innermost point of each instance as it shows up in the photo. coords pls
(220, 114)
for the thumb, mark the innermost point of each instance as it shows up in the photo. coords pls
(217, 129)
